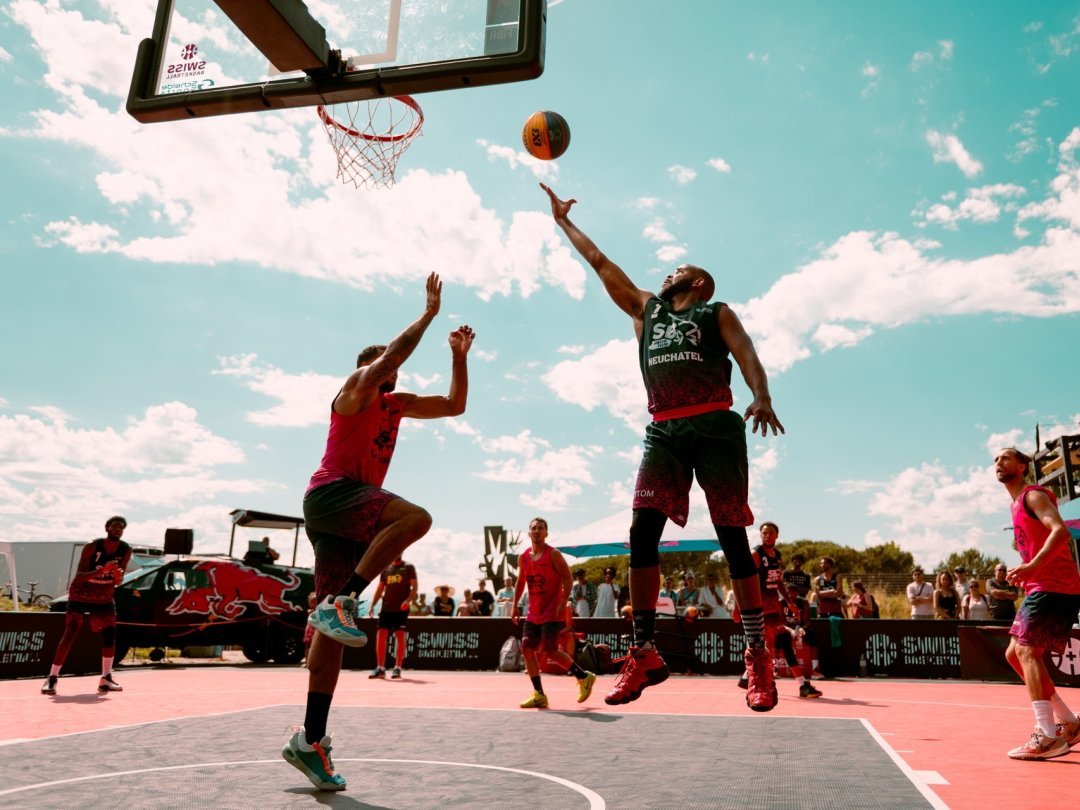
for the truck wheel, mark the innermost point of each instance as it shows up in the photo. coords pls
(289, 648)
(256, 652)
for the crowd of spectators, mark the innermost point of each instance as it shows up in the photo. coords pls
(951, 595)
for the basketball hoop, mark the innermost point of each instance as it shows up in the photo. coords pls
(368, 137)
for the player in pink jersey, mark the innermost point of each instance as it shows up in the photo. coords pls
(1049, 576)
(544, 571)
(357, 528)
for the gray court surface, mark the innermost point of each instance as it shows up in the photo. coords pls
(433, 758)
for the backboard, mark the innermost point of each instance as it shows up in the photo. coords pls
(217, 57)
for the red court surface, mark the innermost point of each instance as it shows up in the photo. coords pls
(949, 737)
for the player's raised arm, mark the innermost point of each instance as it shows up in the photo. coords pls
(453, 404)
(363, 384)
(742, 349)
(626, 295)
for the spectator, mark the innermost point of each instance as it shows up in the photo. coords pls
(485, 602)
(960, 581)
(688, 593)
(504, 599)
(419, 606)
(974, 606)
(946, 602)
(669, 590)
(796, 576)
(624, 596)
(796, 609)
(1003, 595)
(468, 606)
(829, 588)
(861, 605)
(582, 595)
(920, 595)
(711, 603)
(443, 604)
(607, 594)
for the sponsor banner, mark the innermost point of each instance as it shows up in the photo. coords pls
(983, 657)
(28, 642)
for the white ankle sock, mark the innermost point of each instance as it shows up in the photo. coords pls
(1044, 716)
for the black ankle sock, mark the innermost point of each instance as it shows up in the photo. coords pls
(318, 710)
(644, 626)
(356, 584)
(536, 683)
(577, 671)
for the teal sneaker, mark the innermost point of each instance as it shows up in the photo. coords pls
(335, 617)
(315, 765)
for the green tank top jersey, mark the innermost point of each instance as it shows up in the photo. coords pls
(684, 360)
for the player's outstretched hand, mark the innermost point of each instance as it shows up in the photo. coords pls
(461, 340)
(434, 294)
(560, 209)
(764, 417)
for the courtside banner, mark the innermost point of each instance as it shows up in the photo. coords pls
(28, 642)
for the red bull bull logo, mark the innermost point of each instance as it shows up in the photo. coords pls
(234, 586)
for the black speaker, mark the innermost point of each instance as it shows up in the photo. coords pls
(179, 541)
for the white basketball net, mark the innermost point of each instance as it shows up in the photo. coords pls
(368, 137)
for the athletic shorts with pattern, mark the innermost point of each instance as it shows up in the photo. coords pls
(98, 615)
(711, 446)
(1045, 620)
(340, 520)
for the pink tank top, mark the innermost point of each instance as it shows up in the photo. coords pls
(1058, 574)
(359, 447)
(542, 580)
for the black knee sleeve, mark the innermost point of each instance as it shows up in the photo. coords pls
(645, 532)
(736, 549)
(108, 637)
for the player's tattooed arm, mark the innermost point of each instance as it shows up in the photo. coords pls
(742, 349)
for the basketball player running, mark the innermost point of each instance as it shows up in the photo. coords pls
(397, 589)
(357, 528)
(774, 602)
(1049, 576)
(544, 571)
(92, 595)
(684, 343)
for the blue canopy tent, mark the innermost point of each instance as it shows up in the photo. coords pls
(612, 549)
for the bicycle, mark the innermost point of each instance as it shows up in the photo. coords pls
(33, 599)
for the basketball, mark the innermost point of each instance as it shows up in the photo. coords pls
(545, 135)
(691, 613)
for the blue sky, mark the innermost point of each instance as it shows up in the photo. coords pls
(888, 196)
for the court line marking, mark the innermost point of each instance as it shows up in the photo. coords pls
(596, 801)
(914, 776)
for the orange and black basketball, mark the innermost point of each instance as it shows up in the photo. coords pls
(545, 135)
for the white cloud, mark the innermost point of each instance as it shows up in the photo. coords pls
(872, 74)
(948, 149)
(670, 253)
(527, 460)
(656, 231)
(5, 57)
(303, 399)
(648, 203)
(757, 57)
(719, 164)
(982, 204)
(547, 170)
(920, 59)
(57, 480)
(681, 174)
(945, 49)
(607, 378)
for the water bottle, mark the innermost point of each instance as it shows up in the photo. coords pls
(862, 666)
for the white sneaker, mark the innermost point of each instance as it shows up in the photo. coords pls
(1070, 731)
(107, 684)
(1041, 747)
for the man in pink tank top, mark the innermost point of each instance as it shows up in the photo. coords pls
(543, 570)
(357, 528)
(1049, 576)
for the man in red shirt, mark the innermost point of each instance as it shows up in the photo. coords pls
(397, 587)
(544, 571)
(1049, 576)
(356, 527)
(92, 595)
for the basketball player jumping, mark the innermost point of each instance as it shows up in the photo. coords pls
(684, 342)
(356, 527)
(1049, 577)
